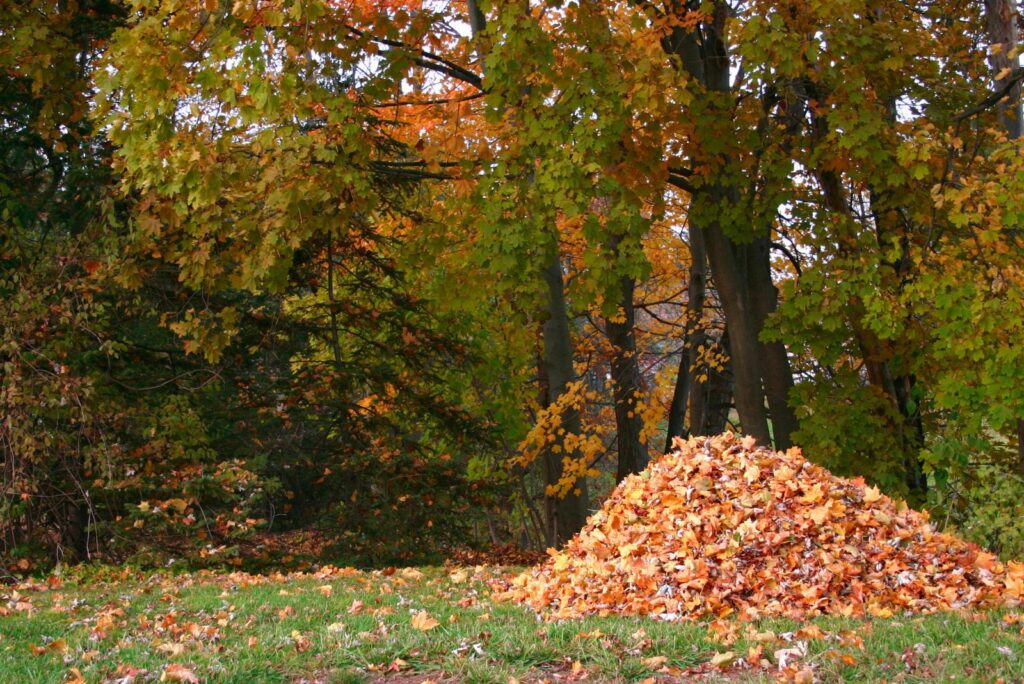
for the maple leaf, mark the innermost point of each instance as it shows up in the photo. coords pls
(723, 659)
(826, 545)
(179, 673)
(422, 621)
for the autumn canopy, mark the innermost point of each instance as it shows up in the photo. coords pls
(720, 527)
(418, 278)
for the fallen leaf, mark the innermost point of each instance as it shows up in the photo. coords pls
(723, 659)
(301, 642)
(179, 673)
(423, 622)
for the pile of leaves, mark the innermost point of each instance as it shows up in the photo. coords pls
(721, 527)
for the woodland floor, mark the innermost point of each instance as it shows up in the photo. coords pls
(443, 625)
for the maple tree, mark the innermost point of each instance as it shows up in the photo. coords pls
(443, 267)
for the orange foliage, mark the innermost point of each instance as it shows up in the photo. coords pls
(720, 526)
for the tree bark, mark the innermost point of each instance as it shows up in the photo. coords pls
(728, 267)
(704, 56)
(628, 385)
(778, 376)
(570, 512)
(566, 516)
(718, 397)
(1001, 26)
(688, 388)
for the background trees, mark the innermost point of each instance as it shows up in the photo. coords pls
(420, 272)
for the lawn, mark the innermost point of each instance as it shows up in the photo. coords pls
(443, 624)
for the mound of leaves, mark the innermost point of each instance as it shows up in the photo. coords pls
(720, 527)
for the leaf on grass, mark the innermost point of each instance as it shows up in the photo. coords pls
(55, 646)
(302, 642)
(171, 649)
(655, 662)
(423, 622)
(179, 673)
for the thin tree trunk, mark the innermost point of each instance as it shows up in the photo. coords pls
(566, 516)
(680, 397)
(570, 512)
(689, 389)
(719, 395)
(332, 305)
(628, 383)
(1020, 446)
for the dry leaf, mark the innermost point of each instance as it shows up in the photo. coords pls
(179, 673)
(655, 662)
(171, 649)
(721, 514)
(301, 642)
(423, 622)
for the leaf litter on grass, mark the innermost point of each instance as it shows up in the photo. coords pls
(722, 527)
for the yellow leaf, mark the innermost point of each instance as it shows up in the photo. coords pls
(178, 505)
(723, 659)
(423, 622)
(872, 494)
(655, 662)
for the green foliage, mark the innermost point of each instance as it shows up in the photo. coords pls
(278, 264)
(978, 490)
(848, 428)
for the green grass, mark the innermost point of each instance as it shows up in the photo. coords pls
(226, 629)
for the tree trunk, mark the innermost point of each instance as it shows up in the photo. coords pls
(778, 376)
(570, 513)
(689, 389)
(728, 268)
(1001, 26)
(1020, 447)
(718, 399)
(704, 56)
(566, 516)
(628, 384)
